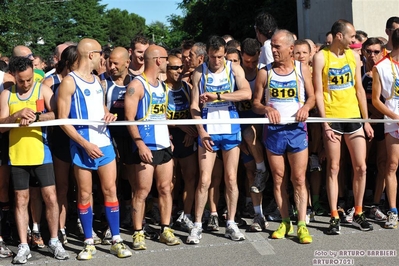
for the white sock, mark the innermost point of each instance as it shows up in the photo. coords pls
(261, 166)
(198, 224)
(36, 227)
(214, 213)
(230, 222)
(116, 238)
(258, 210)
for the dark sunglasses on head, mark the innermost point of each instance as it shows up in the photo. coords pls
(175, 67)
(97, 51)
(376, 52)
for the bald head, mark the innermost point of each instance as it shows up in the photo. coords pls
(21, 50)
(154, 51)
(86, 46)
(286, 35)
(120, 52)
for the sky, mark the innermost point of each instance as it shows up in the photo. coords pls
(151, 10)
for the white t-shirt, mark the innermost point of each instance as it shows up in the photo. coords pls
(266, 55)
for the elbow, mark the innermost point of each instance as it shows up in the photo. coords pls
(248, 95)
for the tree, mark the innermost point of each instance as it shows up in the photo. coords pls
(42, 24)
(176, 34)
(235, 17)
(122, 26)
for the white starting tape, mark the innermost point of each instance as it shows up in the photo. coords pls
(58, 122)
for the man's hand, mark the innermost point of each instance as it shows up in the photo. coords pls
(27, 114)
(273, 115)
(302, 114)
(93, 150)
(329, 134)
(208, 97)
(368, 130)
(207, 142)
(108, 117)
(145, 154)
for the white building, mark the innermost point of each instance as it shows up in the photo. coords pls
(315, 17)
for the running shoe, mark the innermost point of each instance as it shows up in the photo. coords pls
(168, 237)
(377, 214)
(23, 255)
(283, 230)
(107, 237)
(4, 250)
(303, 235)
(335, 227)
(195, 235)
(213, 223)
(120, 250)
(234, 233)
(259, 223)
(139, 240)
(87, 253)
(392, 221)
(360, 221)
(186, 224)
(37, 240)
(58, 250)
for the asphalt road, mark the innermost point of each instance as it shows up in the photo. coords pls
(352, 247)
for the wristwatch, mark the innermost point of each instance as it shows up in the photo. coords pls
(37, 116)
(218, 95)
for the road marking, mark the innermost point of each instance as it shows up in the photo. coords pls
(261, 244)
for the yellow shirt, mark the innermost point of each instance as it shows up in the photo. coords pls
(28, 145)
(339, 91)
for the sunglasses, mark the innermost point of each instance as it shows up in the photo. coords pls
(29, 56)
(375, 52)
(97, 51)
(175, 67)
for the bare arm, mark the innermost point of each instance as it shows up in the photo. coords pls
(65, 92)
(195, 101)
(243, 93)
(49, 103)
(5, 117)
(318, 65)
(196, 110)
(260, 84)
(303, 112)
(361, 97)
(134, 93)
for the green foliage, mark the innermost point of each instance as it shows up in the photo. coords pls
(235, 17)
(122, 26)
(43, 24)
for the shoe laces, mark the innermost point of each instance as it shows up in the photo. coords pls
(303, 230)
(22, 249)
(195, 231)
(139, 236)
(259, 219)
(120, 245)
(168, 233)
(234, 227)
